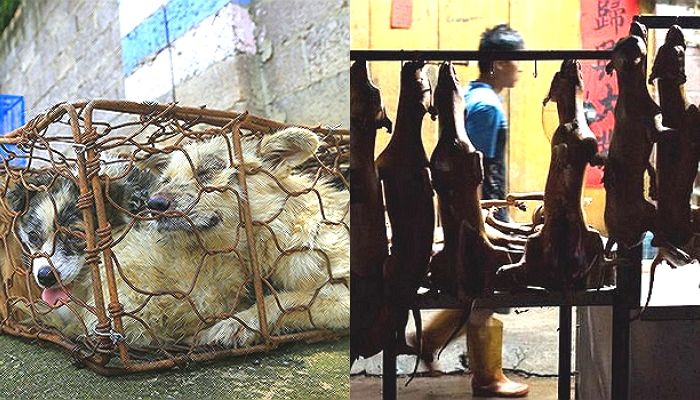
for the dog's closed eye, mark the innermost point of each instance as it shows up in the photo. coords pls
(210, 168)
(73, 245)
(35, 238)
(204, 174)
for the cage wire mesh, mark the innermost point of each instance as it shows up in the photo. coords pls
(164, 235)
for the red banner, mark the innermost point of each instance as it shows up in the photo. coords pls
(401, 14)
(603, 22)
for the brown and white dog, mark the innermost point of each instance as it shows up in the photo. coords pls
(50, 225)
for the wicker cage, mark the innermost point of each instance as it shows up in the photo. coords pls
(200, 234)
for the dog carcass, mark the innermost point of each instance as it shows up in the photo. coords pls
(564, 252)
(368, 239)
(467, 264)
(403, 168)
(676, 154)
(637, 122)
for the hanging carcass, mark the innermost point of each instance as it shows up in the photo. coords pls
(468, 262)
(676, 156)
(565, 251)
(677, 150)
(368, 239)
(403, 169)
(628, 214)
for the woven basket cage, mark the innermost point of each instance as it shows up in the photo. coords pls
(163, 289)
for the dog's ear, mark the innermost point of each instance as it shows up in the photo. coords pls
(16, 197)
(290, 146)
(20, 192)
(133, 190)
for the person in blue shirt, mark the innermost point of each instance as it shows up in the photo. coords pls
(487, 128)
(486, 122)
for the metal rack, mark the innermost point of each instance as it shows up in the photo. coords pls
(624, 297)
(469, 55)
(665, 22)
(603, 297)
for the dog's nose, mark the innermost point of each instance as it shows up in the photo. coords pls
(158, 203)
(46, 277)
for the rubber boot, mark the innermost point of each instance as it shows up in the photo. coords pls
(434, 335)
(484, 344)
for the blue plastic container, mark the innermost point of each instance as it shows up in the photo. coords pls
(11, 117)
(648, 251)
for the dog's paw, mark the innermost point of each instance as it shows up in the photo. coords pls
(228, 333)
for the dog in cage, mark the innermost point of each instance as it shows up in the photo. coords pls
(50, 226)
(300, 237)
(185, 276)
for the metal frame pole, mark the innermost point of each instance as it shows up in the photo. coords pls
(665, 21)
(464, 55)
(389, 369)
(629, 281)
(564, 381)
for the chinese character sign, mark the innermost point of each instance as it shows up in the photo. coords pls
(603, 22)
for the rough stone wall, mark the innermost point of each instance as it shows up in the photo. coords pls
(65, 50)
(304, 51)
(200, 53)
(296, 70)
(55, 51)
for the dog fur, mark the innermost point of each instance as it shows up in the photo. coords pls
(311, 285)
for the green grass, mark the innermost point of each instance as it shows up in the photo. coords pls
(297, 371)
(7, 11)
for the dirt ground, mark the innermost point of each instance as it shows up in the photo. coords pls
(297, 371)
(446, 387)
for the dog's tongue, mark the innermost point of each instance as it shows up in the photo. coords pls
(53, 296)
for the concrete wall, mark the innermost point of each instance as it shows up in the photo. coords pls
(200, 53)
(287, 60)
(54, 51)
(664, 357)
(303, 48)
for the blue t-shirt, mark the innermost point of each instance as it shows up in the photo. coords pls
(486, 120)
(487, 128)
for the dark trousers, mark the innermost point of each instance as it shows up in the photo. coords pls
(494, 186)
